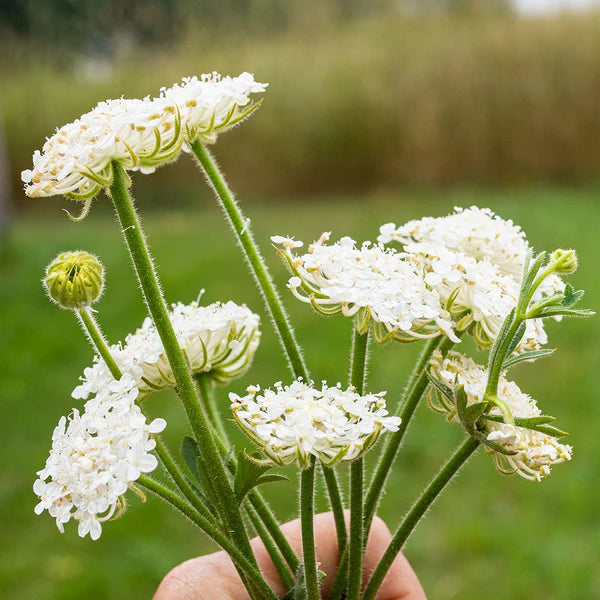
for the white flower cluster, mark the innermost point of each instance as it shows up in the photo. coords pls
(219, 339)
(140, 134)
(96, 456)
(298, 421)
(534, 451)
(474, 259)
(368, 281)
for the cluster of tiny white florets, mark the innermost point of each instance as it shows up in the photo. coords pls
(220, 339)
(96, 456)
(475, 259)
(139, 134)
(298, 421)
(369, 281)
(534, 451)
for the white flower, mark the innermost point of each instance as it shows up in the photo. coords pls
(212, 104)
(368, 281)
(533, 451)
(219, 339)
(474, 259)
(76, 160)
(139, 134)
(96, 456)
(298, 421)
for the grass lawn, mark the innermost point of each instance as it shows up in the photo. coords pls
(490, 536)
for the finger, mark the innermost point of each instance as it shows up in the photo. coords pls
(213, 577)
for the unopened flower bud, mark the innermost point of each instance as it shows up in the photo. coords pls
(564, 261)
(74, 279)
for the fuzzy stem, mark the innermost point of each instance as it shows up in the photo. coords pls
(144, 267)
(256, 498)
(307, 509)
(248, 567)
(411, 520)
(243, 233)
(207, 394)
(337, 508)
(275, 555)
(257, 264)
(358, 368)
(91, 327)
(413, 395)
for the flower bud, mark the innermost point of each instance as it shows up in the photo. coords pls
(564, 261)
(74, 279)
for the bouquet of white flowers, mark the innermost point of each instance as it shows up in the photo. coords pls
(431, 281)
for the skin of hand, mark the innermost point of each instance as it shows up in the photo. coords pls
(213, 577)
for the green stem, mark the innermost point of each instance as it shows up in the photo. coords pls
(307, 508)
(91, 327)
(257, 264)
(180, 481)
(358, 368)
(248, 567)
(207, 394)
(148, 279)
(256, 498)
(276, 557)
(427, 497)
(499, 355)
(258, 267)
(337, 508)
(394, 440)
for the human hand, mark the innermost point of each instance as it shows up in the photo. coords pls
(213, 577)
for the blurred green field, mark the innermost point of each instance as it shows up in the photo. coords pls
(489, 536)
(354, 104)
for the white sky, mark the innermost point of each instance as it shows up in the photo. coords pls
(550, 6)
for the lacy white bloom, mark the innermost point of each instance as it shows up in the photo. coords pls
(220, 339)
(139, 134)
(298, 421)
(370, 281)
(474, 259)
(212, 104)
(534, 451)
(76, 160)
(95, 457)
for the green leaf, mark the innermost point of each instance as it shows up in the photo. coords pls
(190, 452)
(442, 387)
(516, 339)
(251, 472)
(472, 413)
(559, 311)
(535, 423)
(460, 401)
(571, 297)
(510, 362)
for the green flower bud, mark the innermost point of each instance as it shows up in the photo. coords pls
(564, 261)
(74, 279)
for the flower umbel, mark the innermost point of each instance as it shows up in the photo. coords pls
(74, 280)
(516, 447)
(292, 423)
(96, 455)
(139, 134)
(475, 260)
(368, 281)
(219, 339)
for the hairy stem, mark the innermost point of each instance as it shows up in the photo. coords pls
(356, 545)
(411, 520)
(249, 568)
(148, 279)
(91, 327)
(243, 233)
(307, 509)
(394, 440)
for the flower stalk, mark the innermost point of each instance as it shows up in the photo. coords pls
(411, 520)
(143, 265)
